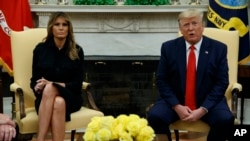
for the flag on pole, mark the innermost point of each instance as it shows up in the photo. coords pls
(231, 15)
(14, 15)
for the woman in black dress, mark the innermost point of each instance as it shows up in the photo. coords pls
(57, 76)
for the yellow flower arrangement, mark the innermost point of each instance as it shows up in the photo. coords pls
(123, 128)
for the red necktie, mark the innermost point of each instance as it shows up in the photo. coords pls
(190, 80)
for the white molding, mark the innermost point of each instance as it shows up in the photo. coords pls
(115, 30)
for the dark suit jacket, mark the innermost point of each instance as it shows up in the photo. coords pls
(212, 73)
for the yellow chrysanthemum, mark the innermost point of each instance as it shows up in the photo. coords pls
(94, 125)
(103, 134)
(122, 128)
(89, 136)
(125, 136)
(107, 122)
(146, 134)
(134, 117)
(142, 122)
(133, 128)
(123, 119)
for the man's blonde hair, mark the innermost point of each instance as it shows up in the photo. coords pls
(190, 13)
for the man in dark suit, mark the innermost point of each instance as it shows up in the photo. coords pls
(210, 84)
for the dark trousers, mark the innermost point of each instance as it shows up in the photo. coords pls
(220, 120)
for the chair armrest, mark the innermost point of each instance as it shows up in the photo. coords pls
(88, 96)
(148, 109)
(235, 90)
(14, 87)
(237, 86)
(86, 85)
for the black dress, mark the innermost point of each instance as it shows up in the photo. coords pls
(54, 65)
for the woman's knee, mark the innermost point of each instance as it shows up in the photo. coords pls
(50, 91)
(59, 104)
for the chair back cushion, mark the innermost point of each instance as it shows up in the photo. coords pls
(231, 39)
(22, 45)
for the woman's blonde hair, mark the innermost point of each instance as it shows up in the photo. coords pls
(70, 40)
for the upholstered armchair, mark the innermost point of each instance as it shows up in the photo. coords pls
(231, 39)
(22, 45)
